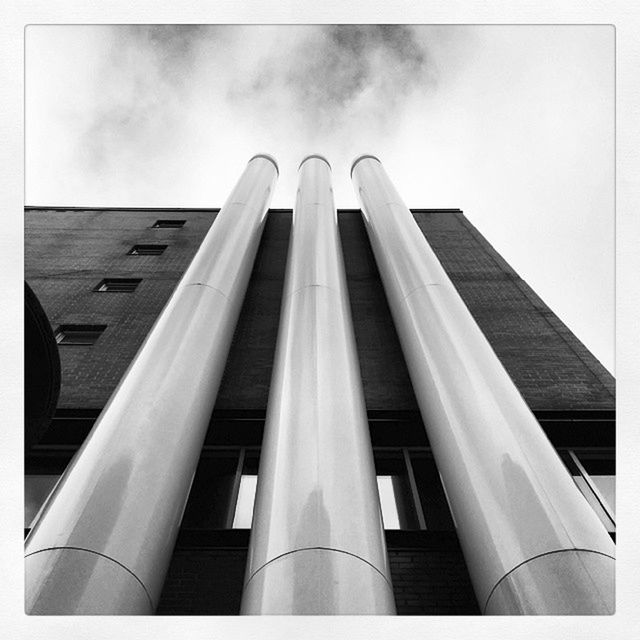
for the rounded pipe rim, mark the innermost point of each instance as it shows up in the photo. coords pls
(362, 157)
(313, 155)
(266, 156)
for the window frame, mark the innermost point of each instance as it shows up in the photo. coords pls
(117, 285)
(573, 453)
(168, 223)
(67, 330)
(147, 249)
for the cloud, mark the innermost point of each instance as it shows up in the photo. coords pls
(336, 74)
(512, 124)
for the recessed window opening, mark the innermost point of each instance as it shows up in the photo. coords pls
(223, 490)
(594, 474)
(79, 334)
(388, 504)
(168, 224)
(147, 249)
(37, 489)
(244, 506)
(118, 285)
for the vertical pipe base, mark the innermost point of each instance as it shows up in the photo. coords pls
(57, 583)
(318, 581)
(566, 582)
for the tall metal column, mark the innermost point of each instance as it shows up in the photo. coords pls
(531, 542)
(106, 535)
(317, 541)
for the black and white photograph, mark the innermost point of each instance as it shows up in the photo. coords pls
(319, 325)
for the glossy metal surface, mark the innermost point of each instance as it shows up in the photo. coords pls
(317, 542)
(107, 532)
(540, 586)
(511, 496)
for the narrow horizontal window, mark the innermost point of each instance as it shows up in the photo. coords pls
(168, 224)
(118, 285)
(147, 249)
(79, 334)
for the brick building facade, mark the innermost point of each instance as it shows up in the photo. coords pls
(70, 252)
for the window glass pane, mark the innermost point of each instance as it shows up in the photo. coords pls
(211, 497)
(390, 516)
(594, 502)
(602, 470)
(432, 497)
(607, 487)
(36, 490)
(598, 468)
(246, 497)
(78, 334)
(396, 499)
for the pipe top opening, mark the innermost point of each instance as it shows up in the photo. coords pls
(313, 155)
(266, 156)
(362, 157)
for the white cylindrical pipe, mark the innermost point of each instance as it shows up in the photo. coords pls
(531, 542)
(105, 537)
(317, 540)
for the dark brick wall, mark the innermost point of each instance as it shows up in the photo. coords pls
(431, 583)
(245, 383)
(204, 581)
(551, 367)
(68, 252)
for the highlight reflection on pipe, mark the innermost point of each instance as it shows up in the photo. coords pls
(531, 542)
(317, 542)
(105, 537)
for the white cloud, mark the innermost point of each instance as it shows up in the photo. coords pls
(512, 124)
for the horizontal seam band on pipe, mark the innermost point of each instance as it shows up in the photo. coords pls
(348, 553)
(422, 286)
(311, 286)
(540, 555)
(204, 284)
(102, 555)
(363, 157)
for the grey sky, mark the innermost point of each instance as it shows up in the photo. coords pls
(513, 124)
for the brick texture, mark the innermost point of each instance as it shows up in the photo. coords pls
(552, 369)
(67, 252)
(204, 581)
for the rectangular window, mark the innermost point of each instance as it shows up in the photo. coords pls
(118, 285)
(388, 502)
(79, 334)
(397, 502)
(594, 474)
(223, 491)
(147, 249)
(410, 490)
(36, 490)
(168, 224)
(246, 498)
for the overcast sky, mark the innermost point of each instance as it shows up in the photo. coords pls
(512, 124)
